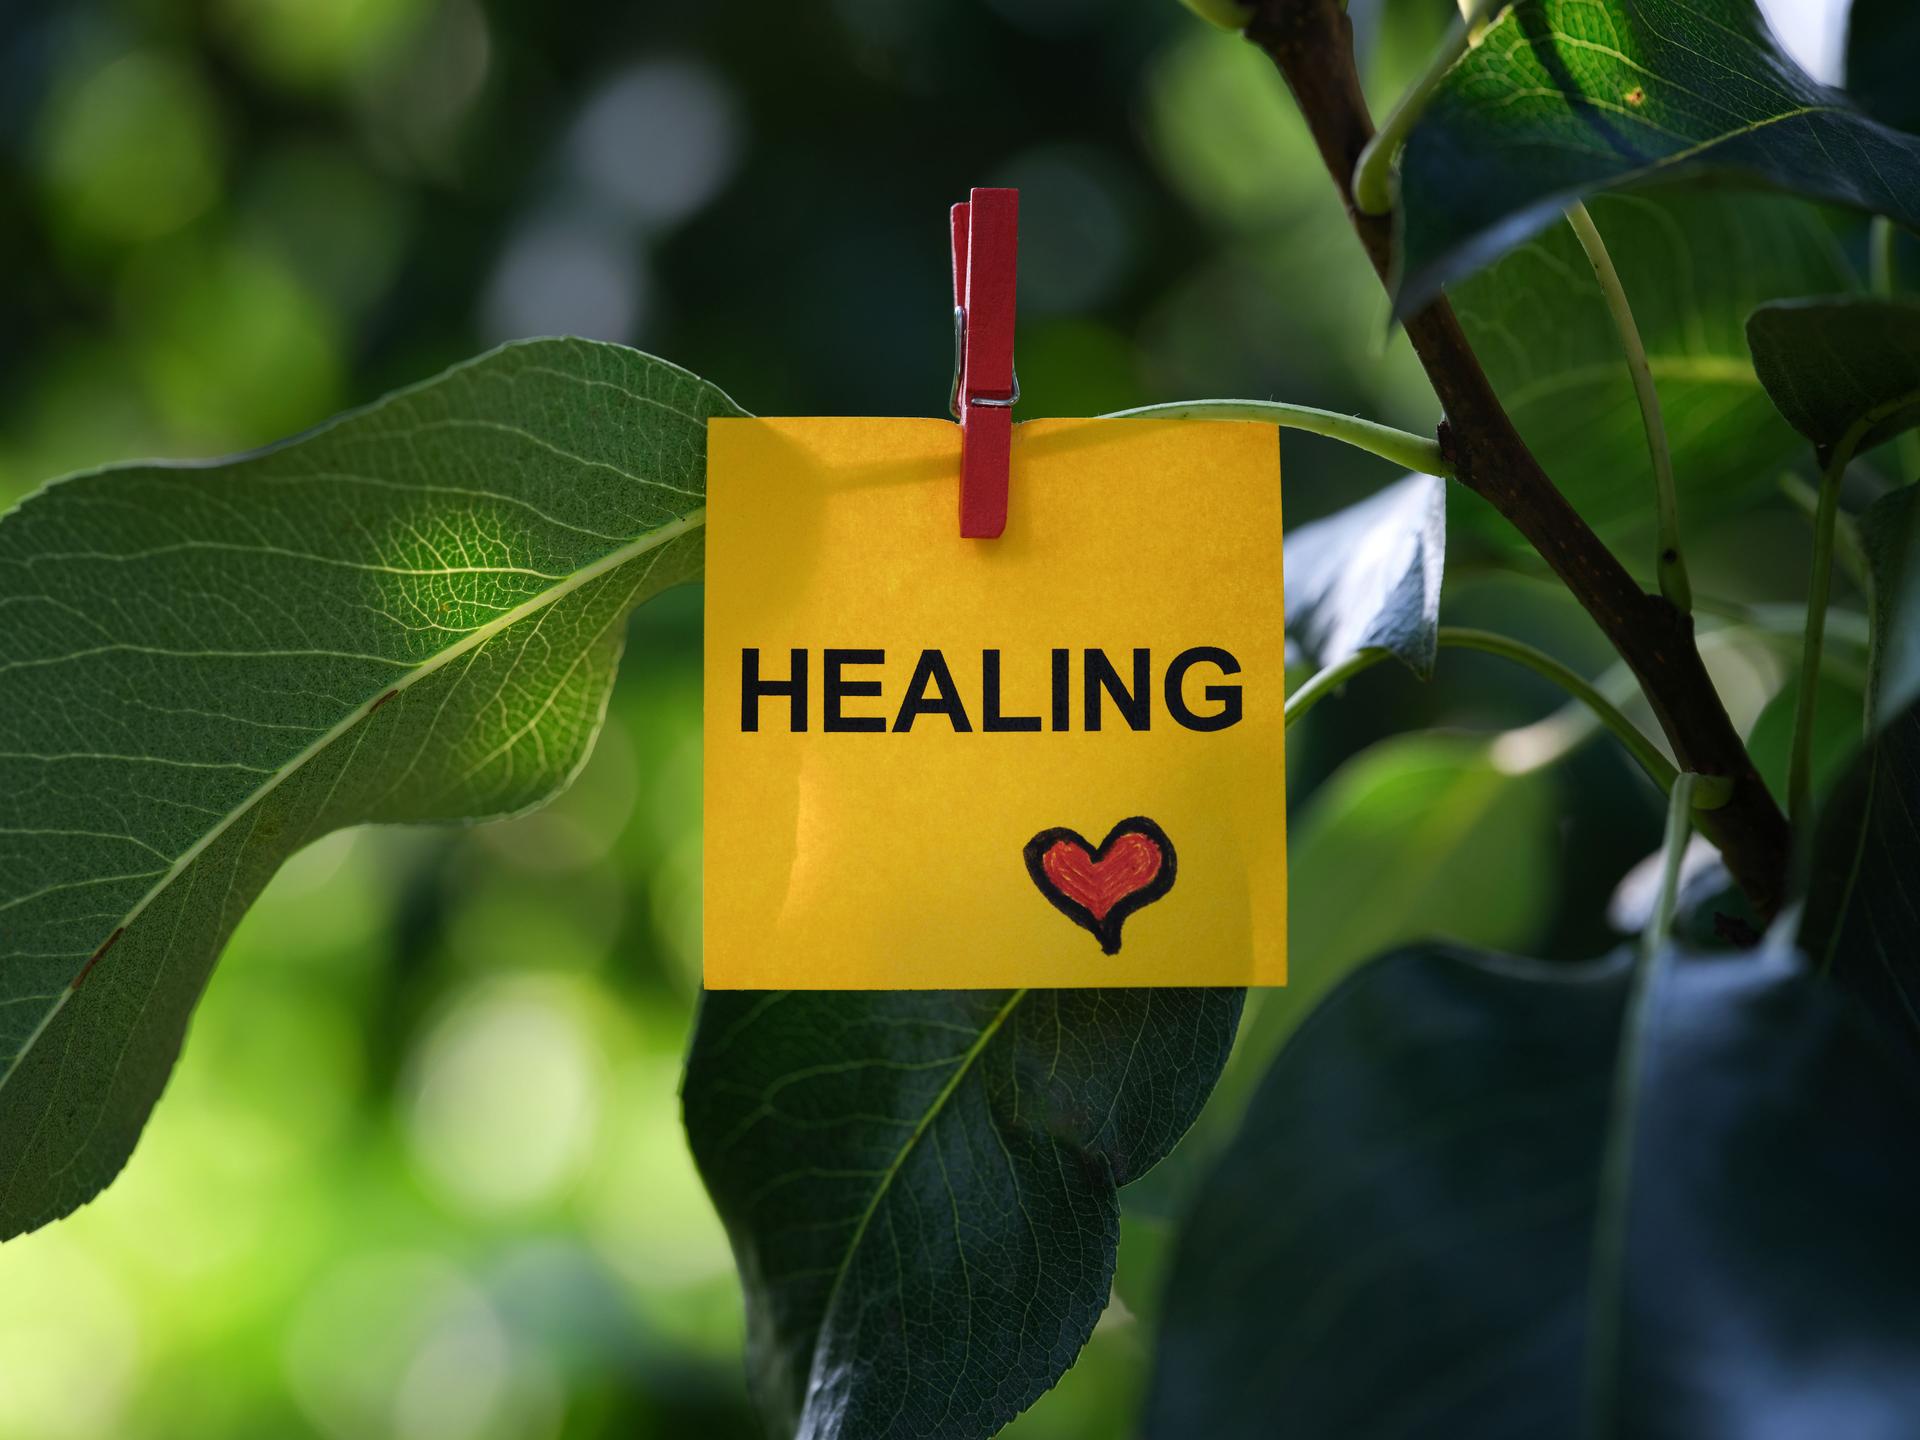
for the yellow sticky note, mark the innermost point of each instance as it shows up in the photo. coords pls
(1054, 759)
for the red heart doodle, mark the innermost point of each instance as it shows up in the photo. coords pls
(1099, 887)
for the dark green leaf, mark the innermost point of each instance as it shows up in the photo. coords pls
(1890, 537)
(1861, 919)
(1564, 97)
(1420, 836)
(1694, 266)
(1368, 577)
(1883, 40)
(413, 613)
(920, 1186)
(1479, 1196)
(1833, 362)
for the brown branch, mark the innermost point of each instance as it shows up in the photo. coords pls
(1311, 41)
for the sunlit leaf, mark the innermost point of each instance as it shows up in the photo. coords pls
(1488, 1196)
(920, 1186)
(413, 613)
(1564, 97)
(1832, 363)
(1694, 266)
(1368, 577)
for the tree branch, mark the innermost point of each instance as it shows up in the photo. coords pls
(1311, 41)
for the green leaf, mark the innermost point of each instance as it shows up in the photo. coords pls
(1890, 538)
(920, 1186)
(1368, 577)
(1561, 98)
(1418, 836)
(1863, 882)
(1883, 37)
(1832, 363)
(1837, 709)
(413, 613)
(1421, 836)
(1487, 1196)
(1694, 264)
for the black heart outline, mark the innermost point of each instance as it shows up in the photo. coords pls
(1106, 931)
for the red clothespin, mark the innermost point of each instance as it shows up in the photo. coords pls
(986, 238)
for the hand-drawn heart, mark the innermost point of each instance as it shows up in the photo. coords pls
(1098, 888)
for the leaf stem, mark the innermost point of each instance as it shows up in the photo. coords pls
(1402, 447)
(1880, 255)
(1800, 762)
(1671, 566)
(1317, 686)
(1373, 175)
(1607, 1265)
(1847, 548)
(1659, 769)
(1673, 850)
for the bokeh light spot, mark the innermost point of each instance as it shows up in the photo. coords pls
(506, 1096)
(566, 275)
(131, 150)
(70, 1341)
(659, 141)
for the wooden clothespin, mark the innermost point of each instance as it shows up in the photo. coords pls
(986, 233)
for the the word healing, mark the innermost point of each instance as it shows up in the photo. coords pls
(932, 693)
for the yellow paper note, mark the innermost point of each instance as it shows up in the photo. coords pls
(1051, 759)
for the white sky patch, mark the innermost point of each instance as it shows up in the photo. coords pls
(1813, 32)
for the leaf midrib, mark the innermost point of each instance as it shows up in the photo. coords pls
(472, 640)
(925, 1123)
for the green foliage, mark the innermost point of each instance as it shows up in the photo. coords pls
(1560, 98)
(920, 1186)
(412, 614)
(1859, 915)
(1882, 38)
(1890, 539)
(1836, 732)
(1694, 264)
(1480, 1195)
(1832, 364)
(1368, 578)
(1472, 1195)
(1858, 922)
(1467, 843)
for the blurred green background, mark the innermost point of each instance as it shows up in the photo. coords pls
(420, 1172)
